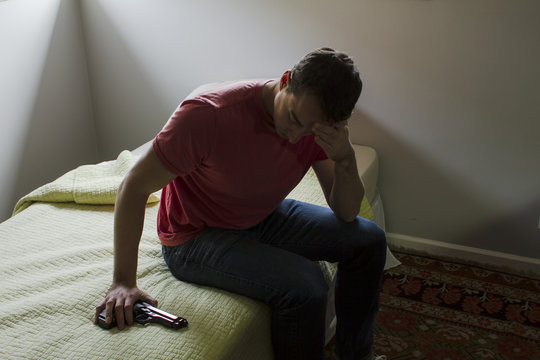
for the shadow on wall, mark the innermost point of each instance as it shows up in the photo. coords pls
(61, 133)
(129, 108)
(423, 199)
(516, 229)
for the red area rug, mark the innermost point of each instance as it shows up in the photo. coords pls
(440, 310)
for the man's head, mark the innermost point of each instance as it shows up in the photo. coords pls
(332, 78)
(323, 87)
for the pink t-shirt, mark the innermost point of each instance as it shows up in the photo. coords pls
(233, 170)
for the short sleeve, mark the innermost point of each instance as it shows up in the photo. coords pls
(321, 155)
(187, 138)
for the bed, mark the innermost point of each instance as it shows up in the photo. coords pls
(56, 265)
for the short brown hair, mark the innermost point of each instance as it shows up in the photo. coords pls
(332, 77)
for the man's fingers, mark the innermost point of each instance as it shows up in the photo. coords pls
(119, 313)
(341, 124)
(118, 305)
(320, 129)
(323, 136)
(99, 309)
(109, 306)
(151, 300)
(325, 145)
(128, 312)
(330, 129)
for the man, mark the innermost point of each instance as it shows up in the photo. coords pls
(226, 159)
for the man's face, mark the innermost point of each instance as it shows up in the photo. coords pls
(295, 115)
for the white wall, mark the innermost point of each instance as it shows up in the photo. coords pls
(451, 99)
(451, 96)
(453, 106)
(46, 120)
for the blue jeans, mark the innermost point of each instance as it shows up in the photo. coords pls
(273, 262)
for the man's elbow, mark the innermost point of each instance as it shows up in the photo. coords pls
(347, 216)
(345, 209)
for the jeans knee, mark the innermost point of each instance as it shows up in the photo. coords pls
(379, 239)
(376, 242)
(306, 288)
(367, 243)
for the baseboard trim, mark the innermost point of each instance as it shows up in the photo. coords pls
(510, 263)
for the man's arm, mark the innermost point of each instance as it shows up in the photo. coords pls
(338, 175)
(146, 176)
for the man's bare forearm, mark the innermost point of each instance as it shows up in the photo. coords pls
(128, 225)
(347, 189)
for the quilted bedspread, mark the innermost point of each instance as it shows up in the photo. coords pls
(55, 267)
(56, 264)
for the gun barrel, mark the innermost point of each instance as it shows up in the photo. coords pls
(164, 317)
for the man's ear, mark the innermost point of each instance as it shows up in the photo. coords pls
(285, 79)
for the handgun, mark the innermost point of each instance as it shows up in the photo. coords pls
(144, 313)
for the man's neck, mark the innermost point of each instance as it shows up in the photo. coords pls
(269, 92)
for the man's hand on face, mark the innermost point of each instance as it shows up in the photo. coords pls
(334, 140)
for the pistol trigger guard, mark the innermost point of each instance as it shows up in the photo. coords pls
(143, 319)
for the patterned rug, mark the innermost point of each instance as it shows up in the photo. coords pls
(439, 310)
